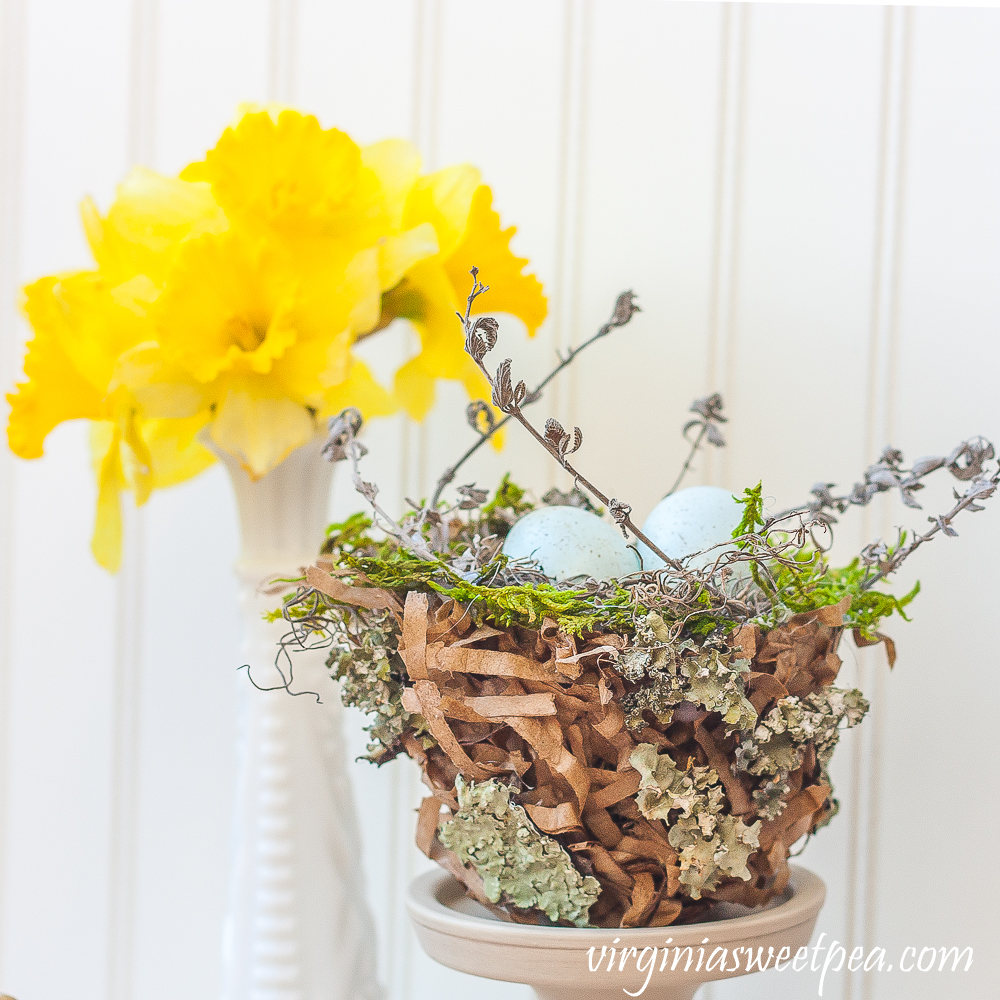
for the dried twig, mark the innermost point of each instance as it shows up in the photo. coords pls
(967, 463)
(341, 444)
(709, 409)
(624, 310)
(878, 555)
(480, 338)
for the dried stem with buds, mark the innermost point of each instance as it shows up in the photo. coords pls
(341, 444)
(709, 410)
(480, 339)
(966, 463)
(478, 410)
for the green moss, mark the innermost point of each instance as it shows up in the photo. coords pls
(507, 505)
(753, 512)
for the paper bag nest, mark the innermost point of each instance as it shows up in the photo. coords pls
(605, 779)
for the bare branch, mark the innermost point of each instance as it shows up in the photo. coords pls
(709, 409)
(625, 308)
(341, 445)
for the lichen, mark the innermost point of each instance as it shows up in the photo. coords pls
(518, 864)
(672, 672)
(365, 661)
(710, 844)
(778, 743)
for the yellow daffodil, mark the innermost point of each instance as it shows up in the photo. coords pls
(460, 208)
(227, 302)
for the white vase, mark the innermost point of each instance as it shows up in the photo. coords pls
(297, 926)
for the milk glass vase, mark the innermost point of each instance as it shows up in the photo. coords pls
(297, 925)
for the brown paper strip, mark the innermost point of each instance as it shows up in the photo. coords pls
(480, 634)
(410, 701)
(427, 823)
(649, 847)
(430, 709)
(833, 614)
(890, 647)
(488, 662)
(739, 798)
(413, 648)
(623, 788)
(644, 897)
(559, 819)
(525, 705)
(372, 598)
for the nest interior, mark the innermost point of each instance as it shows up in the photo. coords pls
(607, 779)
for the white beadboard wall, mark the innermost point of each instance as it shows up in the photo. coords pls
(806, 199)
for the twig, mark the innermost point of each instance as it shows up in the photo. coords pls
(480, 338)
(981, 488)
(965, 462)
(341, 444)
(625, 308)
(710, 410)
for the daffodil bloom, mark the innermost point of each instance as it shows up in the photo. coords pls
(226, 303)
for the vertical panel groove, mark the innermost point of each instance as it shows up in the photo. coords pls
(883, 417)
(579, 215)
(282, 51)
(859, 747)
(12, 45)
(866, 759)
(723, 285)
(129, 586)
(428, 36)
(570, 208)
(725, 236)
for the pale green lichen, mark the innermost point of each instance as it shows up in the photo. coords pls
(672, 672)
(778, 743)
(710, 844)
(369, 669)
(518, 863)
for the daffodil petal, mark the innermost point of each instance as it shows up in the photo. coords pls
(177, 453)
(227, 305)
(106, 543)
(291, 174)
(141, 464)
(150, 217)
(55, 390)
(260, 430)
(397, 254)
(414, 388)
(396, 164)
(80, 313)
(361, 390)
(486, 246)
(161, 389)
(444, 199)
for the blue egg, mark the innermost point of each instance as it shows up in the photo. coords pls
(688, 521)
(569, 542)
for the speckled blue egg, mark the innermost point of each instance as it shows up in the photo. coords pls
(688, 521)
(568, 542)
